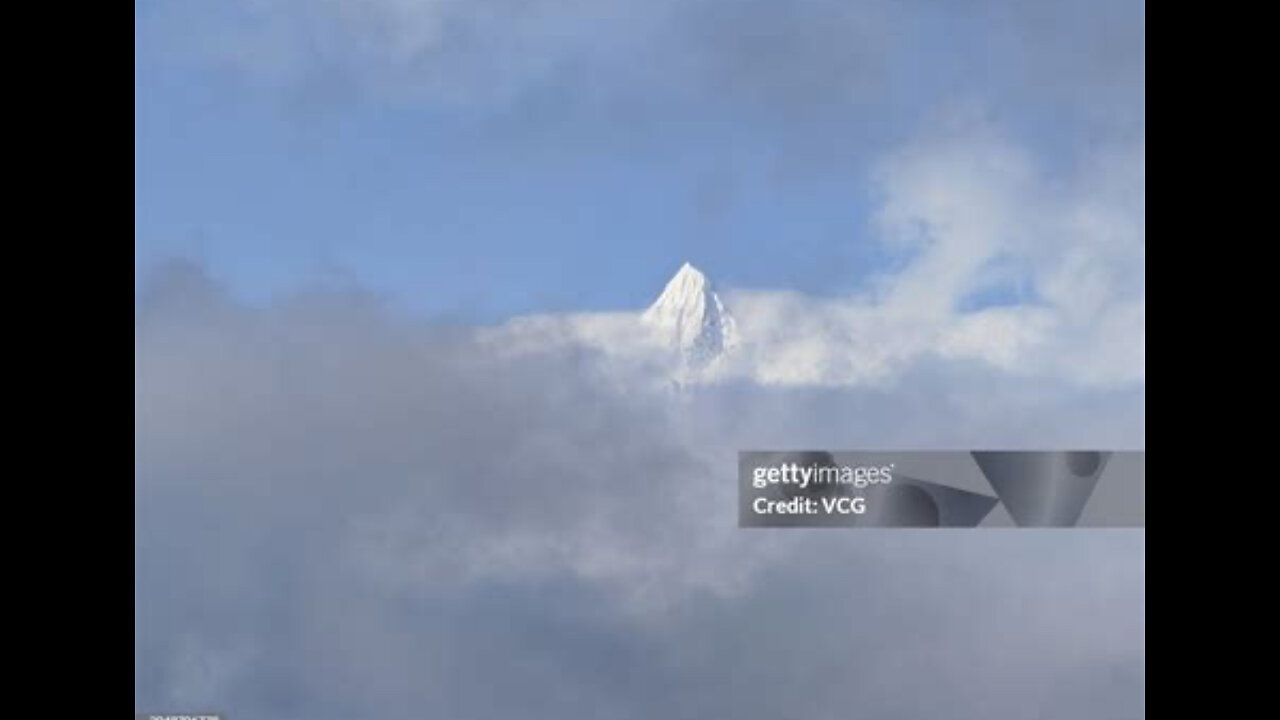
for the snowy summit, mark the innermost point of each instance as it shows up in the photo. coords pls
(689, 317)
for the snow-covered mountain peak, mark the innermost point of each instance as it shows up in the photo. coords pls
(691, 318)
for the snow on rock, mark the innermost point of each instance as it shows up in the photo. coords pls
(689, 318)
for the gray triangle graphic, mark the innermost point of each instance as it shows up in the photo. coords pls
(910, 502)
(1043, 489)
(956, 507)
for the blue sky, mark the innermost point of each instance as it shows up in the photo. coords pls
(468, 160)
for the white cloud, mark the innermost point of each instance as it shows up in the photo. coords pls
(1075, 299)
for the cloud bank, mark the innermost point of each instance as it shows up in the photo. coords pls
(341, 514)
